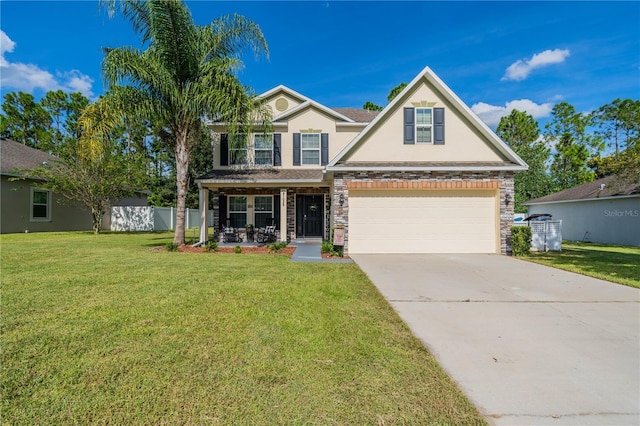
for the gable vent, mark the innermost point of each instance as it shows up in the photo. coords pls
(282, 104)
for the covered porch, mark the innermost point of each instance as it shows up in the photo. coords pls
(295, 202)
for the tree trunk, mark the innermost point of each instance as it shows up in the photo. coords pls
(182, 180)
(96, 217)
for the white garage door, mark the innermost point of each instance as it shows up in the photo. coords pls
(423, 221)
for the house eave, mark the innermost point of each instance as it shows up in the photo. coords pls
(232, 183)
(611, 197)
(425, 168)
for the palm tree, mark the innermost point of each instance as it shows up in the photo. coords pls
(184, 74)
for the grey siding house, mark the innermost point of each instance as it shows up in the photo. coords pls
(24, 205)
(604, 211)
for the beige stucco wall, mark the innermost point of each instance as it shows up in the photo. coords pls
(462, 143)
(308, 118)
(15, 205)
(290, 101)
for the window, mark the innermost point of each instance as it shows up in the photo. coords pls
(40, 205)
(424, 125)
(263, 149)
(310, 146)
(263, 210)
(238, 151)
(238, 211)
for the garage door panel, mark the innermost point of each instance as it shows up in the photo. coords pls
(422, 222)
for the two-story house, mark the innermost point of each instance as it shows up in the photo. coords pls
(424, 175)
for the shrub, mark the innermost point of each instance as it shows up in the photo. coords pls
(171, 246)
(326, 247)
(276, 247)
(337, 251)
(520, 240)
(210, 246)
(238, 249)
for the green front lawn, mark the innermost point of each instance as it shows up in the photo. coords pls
(102, 329)
(618, 264)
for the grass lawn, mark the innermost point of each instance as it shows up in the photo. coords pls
(101, 329)
(618, 264)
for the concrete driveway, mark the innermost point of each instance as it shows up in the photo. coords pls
(526, 343)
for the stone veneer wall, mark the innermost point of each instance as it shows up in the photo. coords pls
(501, 180)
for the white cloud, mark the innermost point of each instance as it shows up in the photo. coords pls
(521, 69)
(491, 114)
(28, 77)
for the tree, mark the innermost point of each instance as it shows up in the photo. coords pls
(522, 133)
(92, 170)
(185, 73)
(396, 91)
(370, 106)
(24, 120)
(574, 146)
(618, 123)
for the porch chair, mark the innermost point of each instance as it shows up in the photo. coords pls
(266, 235)
(231, 235)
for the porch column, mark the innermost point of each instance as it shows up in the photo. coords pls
(203, 195)
(283, 214)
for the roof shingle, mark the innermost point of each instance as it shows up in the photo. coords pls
(357, 115)
(611, 187)
(15, 156)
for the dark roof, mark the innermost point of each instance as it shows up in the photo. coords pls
(15, 156)
(612, 187)
(357, 115)
(264, 175)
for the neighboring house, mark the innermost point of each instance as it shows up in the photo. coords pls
(424, 175)
(604, 211)
(24, 205)
(27, 207)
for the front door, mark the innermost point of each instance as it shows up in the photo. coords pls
(309, 215)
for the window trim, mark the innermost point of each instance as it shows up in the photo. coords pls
(47, 218)
(318, 150)
(233, 148)
(268, 136)
(245, 211)
(255, 211)
(423, 126)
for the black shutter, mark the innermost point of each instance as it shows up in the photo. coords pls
(224, 149)
(438, 126)
(409, 126)
(222, 211)
(277, 146)
(276, 211)
(296, 149)
(324, 149)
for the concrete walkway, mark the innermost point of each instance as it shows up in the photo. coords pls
(309, 250)
(528, 344)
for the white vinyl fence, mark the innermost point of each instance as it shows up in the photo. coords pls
(131, 218)
(546, 235)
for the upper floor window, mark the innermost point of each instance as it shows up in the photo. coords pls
(40, 205)
(263, 149)
(310, 147)
(424, 125)
(238, 154)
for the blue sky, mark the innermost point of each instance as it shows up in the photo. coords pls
(495, 55)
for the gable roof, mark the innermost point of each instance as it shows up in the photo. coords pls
(514, 162)
(312, 104)
(15, 156)
(607, 187)
(284, 89)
